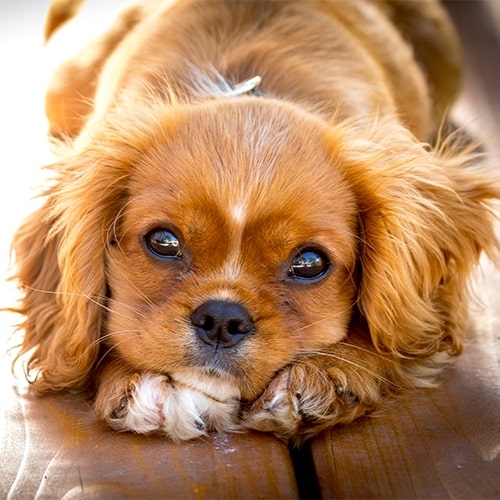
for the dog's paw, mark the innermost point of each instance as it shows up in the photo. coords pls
(301, 401)
(146, 402)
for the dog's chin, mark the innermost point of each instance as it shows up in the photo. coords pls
(216, 384)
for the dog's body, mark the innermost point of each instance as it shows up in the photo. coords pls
(222, 251)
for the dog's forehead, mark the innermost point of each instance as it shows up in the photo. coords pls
(242, 166)
(237, 148)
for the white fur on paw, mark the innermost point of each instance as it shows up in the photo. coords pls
(159, 403)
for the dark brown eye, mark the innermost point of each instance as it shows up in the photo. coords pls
(308, 264)
(163, 243)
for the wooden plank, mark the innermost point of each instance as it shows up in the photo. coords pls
(437, 443)
(443, 442)
(52, 448)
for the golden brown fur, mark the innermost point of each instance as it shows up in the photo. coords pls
(330, 157)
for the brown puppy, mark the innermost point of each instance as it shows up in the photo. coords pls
(247, 228)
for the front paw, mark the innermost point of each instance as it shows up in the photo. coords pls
(302, 400)
(148, 402)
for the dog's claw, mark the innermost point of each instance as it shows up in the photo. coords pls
(121, 410)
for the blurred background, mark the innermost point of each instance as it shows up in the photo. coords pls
(23, 143)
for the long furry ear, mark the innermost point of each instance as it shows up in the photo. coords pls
(425, 218)
(60, 257)
(61, 355)
(62, 308)
(61, 249)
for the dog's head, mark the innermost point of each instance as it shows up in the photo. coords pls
(235, 245)
(227, 238)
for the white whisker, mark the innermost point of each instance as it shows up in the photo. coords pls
(355, 364)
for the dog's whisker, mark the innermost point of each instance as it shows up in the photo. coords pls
(142, 296)
(95, 300)
(327, 319)
(100, 340)
(368, 351)
(107, 336)
(356, 364)
(113, 346)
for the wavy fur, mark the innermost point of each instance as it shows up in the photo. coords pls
(334, 155)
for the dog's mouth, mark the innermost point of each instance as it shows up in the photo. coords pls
(219, 362)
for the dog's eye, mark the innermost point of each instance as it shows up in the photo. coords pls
(308, 265)
(163, 243)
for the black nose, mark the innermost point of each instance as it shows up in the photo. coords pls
(221, 323)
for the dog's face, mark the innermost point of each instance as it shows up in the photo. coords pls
(220, 240)
(234, 249)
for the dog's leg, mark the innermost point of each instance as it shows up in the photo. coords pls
(317, 392)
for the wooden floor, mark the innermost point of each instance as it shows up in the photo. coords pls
(440, 443)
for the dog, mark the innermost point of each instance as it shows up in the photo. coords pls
(255, 220)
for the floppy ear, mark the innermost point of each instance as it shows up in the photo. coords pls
(425, 218)
(60, 257)
(61, 249)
